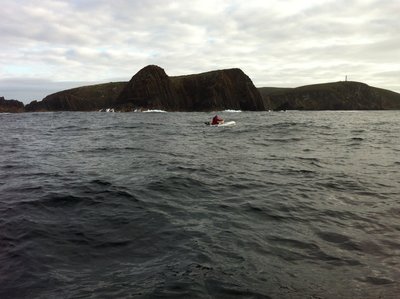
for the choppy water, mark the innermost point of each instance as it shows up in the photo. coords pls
(284, 205)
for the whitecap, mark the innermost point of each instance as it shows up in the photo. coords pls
(155, 110)
(231, 111)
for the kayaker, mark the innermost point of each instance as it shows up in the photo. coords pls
(217, 120)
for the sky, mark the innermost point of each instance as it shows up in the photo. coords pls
(52, 45)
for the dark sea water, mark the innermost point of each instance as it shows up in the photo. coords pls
(284, 205)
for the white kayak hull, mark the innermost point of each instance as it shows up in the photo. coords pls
(225, 124)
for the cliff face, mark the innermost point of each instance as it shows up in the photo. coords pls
(331, 96)
(11, 106)
(218, 90)
(87, 98)
(152, 88)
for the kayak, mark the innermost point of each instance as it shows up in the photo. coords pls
(225, 124)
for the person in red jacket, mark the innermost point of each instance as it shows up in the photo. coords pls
(217, 120)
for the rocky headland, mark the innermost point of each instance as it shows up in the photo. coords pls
(11, 106)
(152, 88)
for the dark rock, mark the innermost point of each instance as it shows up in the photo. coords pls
(152, 88)
(343, 95)
(218, 90)
(11, 106)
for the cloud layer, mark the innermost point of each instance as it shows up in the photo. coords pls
(275, 42)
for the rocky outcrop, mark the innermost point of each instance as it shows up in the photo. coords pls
(343, 95)
(152, 88)
(87, 98)
(11, 106)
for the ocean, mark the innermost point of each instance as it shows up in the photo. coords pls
(145, 205)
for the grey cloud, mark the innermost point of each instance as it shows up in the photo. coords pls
(273, 43)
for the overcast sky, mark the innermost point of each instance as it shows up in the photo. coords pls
(50, 45)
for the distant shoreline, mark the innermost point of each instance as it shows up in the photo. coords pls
(230, 89)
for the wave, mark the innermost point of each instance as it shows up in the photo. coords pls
(107, 110)
(154, 111)
(232, 111)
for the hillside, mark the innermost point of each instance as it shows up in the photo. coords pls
(86, 98)
(344, 95)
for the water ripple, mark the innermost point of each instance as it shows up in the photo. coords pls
(284, 205)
